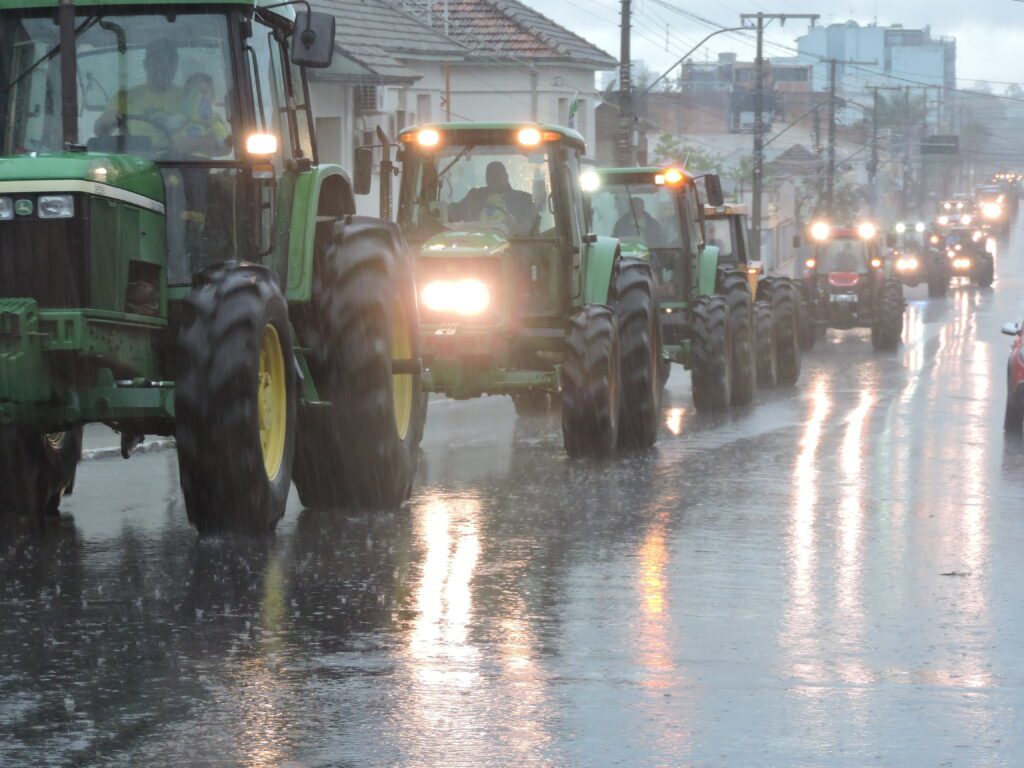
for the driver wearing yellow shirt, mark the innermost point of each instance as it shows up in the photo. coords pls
(171, 117)
(155, 109)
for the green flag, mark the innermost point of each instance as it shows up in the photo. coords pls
(574, 107)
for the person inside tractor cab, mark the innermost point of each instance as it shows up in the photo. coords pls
(156, 109)
(842, 256)
(637, 223)
(720, 237)
(497, 203)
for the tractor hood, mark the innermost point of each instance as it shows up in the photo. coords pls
(464, 244)
(133, 175)
(635, 249)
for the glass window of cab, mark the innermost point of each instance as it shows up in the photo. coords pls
(153, 85)
(503, 187)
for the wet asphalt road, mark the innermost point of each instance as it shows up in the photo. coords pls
(832, 578)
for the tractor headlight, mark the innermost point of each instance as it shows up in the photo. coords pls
(56, 207)
(6, 209)
(977, 236)
(908, 264)
(991, 211)
(467, 297)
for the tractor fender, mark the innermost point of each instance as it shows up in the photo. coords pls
(600, 261)
(707, 271)
(325, 190)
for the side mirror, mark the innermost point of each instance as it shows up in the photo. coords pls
(362, 174)
(313, 40)
(796, 241)
(890, 240)
(1011, 329)
(713, 190)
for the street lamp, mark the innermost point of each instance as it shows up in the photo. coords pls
(690, 52)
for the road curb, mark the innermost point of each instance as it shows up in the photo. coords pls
(115, 453)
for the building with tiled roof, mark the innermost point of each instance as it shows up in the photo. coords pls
(402, 62)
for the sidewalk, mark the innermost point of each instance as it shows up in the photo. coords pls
(101, 442)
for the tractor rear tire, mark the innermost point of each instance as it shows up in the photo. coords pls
(591, 397)
(36, 471)
(736, 289)
(235, 401)
(712, 355)
(764, 348)
(783, 295)
(887, 325)
(635, 302)
(361, 450)
(805, 319)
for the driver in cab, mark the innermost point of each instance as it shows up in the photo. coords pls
(637, 222)
(170, 116)
(497, 202)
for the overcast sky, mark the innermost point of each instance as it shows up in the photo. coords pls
(989, 33)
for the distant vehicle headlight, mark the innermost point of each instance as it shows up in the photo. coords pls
(991, 211)
(56, 207)
(6, 209)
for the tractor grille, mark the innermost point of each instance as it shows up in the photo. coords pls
(46, 260)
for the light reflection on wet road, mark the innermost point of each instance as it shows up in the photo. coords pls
(832, 578)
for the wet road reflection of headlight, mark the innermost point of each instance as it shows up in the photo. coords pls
(466, 297)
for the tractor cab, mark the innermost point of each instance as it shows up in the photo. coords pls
(726, 228)
(656, 215)
(495, 215)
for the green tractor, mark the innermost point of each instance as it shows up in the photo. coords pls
(517, 297)
(174, 260)
(727, 229)
(710, 322)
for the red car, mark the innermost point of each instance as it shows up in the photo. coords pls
(1014, 421)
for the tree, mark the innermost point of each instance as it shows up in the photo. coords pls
(673, 150)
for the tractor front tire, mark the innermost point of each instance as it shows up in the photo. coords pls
(635, 302)
(712, 355)
(736, 289)
(235, 401)
(984, 277)
(361, 449)
(887, 325)
(36, 471)
(532, 403)
(591, 398)
(764, 347)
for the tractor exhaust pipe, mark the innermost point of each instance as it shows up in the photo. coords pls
(68, 74)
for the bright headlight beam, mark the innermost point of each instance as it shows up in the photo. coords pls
(466, 297)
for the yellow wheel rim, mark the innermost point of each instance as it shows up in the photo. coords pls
(401, 384)
(272, 401)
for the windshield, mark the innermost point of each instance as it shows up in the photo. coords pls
(149, 85)
(645, 214)
(843, 256)
(719, 234)
(483, 187)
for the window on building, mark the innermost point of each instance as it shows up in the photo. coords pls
(424, 113)
(328, 137)
(581, 117)
(563, 111)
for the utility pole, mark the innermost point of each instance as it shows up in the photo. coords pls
(873, 168)
(759, 20)
(626, 153)
(830, 168)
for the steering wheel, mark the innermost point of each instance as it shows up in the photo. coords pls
(123, 130)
